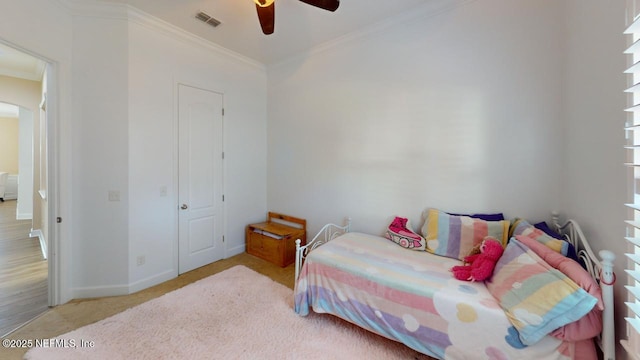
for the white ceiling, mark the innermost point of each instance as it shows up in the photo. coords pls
(298, 27)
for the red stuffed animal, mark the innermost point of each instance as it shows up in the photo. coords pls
(479, 267)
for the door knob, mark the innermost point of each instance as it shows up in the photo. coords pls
(184, 207)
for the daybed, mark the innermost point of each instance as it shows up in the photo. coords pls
(411, 296)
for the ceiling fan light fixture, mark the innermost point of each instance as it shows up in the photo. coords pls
(267, 11)
(263, 3)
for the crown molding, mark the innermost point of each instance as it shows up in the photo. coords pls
(121, 11)
(144, 19)
(429, 9)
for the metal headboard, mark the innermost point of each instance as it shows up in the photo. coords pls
(326, 234)
(600, 269)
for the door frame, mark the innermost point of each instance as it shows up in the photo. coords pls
(176, 172)
(54, 246)
(55, 254)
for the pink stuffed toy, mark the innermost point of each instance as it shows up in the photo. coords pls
(479, 267)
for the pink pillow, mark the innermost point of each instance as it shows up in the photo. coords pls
(585, 350)
(589, 325)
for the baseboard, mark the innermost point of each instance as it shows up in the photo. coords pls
(236, 250)
(23, 216)
(99, 291)
(43, 244)
(151, 281)
(117, 290)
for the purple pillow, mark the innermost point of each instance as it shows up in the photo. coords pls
(571, 251)
(547, 230)
(485, 217)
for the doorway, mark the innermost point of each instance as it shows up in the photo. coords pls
(24, 80)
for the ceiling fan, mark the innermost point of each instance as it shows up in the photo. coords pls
(267, 11)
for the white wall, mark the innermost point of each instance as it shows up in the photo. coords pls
(158, 61)
(594, 186)
(458, 111)
(100, 133)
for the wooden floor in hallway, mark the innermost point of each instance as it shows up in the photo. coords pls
(23, 271)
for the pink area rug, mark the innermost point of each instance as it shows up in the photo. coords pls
(235, 314)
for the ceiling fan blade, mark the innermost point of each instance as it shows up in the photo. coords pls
(330, 5)
(267, 16)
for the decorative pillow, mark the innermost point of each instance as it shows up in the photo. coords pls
(399, 231)
(454, 236)
(522, 227)
(571, 251)
(536, 298)
(547, 230)
(589, 325)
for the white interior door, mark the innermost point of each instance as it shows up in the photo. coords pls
(200, 178)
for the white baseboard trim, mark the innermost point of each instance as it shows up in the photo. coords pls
(43, 244)
(24, 216)
(151, 281)
(235, 250)
(99, 291)
(117, 290)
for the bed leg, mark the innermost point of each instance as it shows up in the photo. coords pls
(607, 279)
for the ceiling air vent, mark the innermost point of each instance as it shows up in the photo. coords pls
(204, 17)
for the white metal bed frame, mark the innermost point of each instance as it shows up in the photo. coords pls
(326, 234)
(600, 269)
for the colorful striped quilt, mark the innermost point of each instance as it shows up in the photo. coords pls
(411, 297)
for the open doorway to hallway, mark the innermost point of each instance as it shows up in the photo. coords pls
(24, 274)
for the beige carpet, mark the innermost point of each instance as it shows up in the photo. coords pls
(236, 314)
